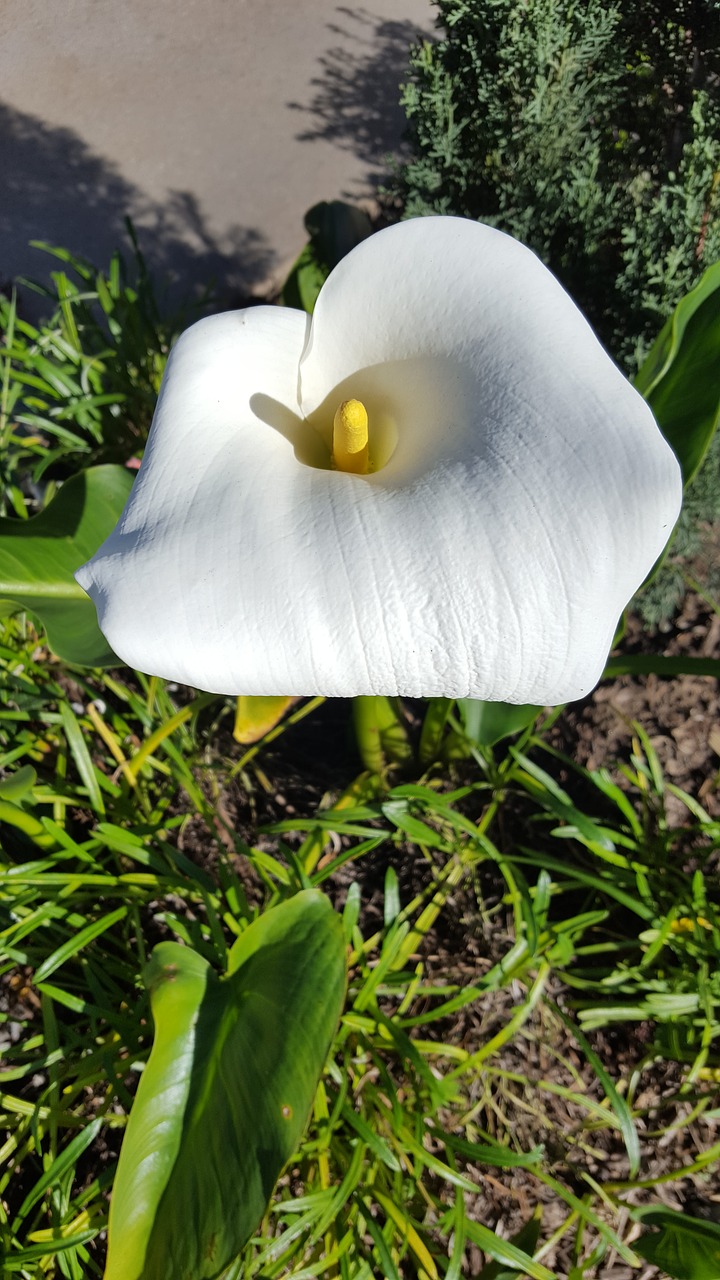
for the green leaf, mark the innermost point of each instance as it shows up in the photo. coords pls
(433, 729)
(380, 732)
(486, 723)
(684, 1248)
(15, 816)
(334, 229)
(511, 1257)
(67, 1159)
(642, 664)
(526, 1239)
(618, 1103)
(39, 556)
(256, 716)
(17, 784)
(81, 756)
(679, 377)
(77, 941)
(307, 277)
(227, 1091)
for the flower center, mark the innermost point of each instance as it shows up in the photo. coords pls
(350, 438)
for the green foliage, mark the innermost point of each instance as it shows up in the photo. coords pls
(679, 381)
(80, 387)
(643, 664)
(227, 1091)
(39, 556)
(679, 377)
(334, 229)
(659, 961)
(693, 558)
(409, 1111)
(450, 729)
(683, 1247)
(526, 1239)
(485, 723)
(381, 733)
(589, 132)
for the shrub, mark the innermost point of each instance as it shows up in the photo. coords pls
(588, 131)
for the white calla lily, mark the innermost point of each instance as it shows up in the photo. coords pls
(518, 492)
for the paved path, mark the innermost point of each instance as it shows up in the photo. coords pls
(213, 123)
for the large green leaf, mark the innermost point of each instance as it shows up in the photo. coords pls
(679, 378)
(38, 558)
(227, 1091)
(685, 1248)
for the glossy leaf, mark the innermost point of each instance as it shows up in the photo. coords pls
(39, 556)
(307, 277)
(679, 378)
(486, 723)
(334, 229)
(227, 1091)
(685, 1248)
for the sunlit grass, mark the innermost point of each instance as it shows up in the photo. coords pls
(442, 1082)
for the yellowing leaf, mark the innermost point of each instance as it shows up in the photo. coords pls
(254, 717)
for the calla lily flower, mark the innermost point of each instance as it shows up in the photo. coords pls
(513, 493)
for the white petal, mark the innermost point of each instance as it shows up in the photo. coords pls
(528, 494)
(531, 490)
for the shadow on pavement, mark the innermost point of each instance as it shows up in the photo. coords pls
(356, 99)
(57, 190)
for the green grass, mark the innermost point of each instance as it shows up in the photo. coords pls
(80, 387)
(582, 919)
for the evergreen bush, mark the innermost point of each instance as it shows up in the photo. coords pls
(589, 131)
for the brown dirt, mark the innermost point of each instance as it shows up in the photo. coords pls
(681, 715)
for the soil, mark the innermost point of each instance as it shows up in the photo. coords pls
(681, 715)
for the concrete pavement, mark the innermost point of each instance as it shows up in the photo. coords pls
(214, 124)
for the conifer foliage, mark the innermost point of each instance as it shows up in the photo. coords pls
(590, 131)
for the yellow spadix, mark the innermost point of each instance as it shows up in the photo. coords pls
(350, 438)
